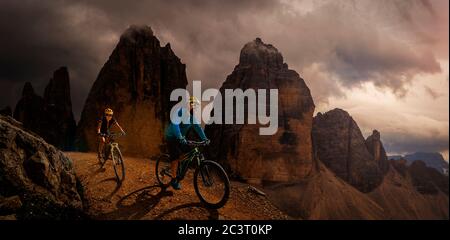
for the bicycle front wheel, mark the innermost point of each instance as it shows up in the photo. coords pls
(102, 156)
(101, 159)
(119, 167)
(211, 184)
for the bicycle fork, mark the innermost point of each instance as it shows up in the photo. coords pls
(116, 160)
(206, 178)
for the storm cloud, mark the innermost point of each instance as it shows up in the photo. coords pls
(336, 46)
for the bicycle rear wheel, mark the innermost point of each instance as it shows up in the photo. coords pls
(211, 184)
(119, 166)
(163, 171)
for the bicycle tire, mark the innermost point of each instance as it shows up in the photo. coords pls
(211, 165)
(118, 164)
(162, 163)
(102, 158)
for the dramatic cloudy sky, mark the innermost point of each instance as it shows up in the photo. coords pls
(384, 61)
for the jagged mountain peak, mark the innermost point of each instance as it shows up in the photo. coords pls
(334, 112)
(290, 154)
(259, 53)
(342, 148)
(136, 80)
(134, 32)
(28, 90)
(50, 116)
(58, 89)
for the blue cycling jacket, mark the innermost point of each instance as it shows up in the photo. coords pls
(179, 131)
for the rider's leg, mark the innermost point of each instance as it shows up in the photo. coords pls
(175, 156)
(174, 167)
(101, 144)
(175, 181)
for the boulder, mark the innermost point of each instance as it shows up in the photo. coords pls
(6, 111)
(37, 174)
(10, 205)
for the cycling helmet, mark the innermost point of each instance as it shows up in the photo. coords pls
(109, 111)
(194, 100)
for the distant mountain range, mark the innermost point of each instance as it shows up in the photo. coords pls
(431, 159)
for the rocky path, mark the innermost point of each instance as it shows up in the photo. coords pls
(140, 197)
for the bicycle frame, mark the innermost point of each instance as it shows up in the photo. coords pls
(212, 175)
(110, 144)
(187, 160)
(108, 147)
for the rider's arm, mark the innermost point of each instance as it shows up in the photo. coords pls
(99, 126)
(200, 131)
(176, 127)
(198, 128)
(176, 131)
(117, 124)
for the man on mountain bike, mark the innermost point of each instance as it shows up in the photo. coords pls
(175, 136)
(104, 125)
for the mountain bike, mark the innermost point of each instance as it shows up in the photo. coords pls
(211, 182)
(111, 151)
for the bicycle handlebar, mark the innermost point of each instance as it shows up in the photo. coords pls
(197, 144)
(112, 134)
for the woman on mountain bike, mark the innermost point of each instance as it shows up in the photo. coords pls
(104, 125)
(175, 135)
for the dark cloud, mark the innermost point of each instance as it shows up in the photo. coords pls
(342, 37)
(39, 37)
(409, 143)
(358, 43)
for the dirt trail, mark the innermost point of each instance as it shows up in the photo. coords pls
(140, 197)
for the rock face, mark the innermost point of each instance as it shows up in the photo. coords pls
(325, 196)
(428, 180)
(400, 166)
(59, 110)
(136, 83)
(30, 110)
(284, 156)
(36, 180)
(340, 145)
(7, 111)
(412, 192)
(376, 149)
(50, 116)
